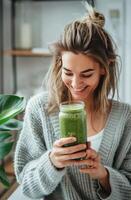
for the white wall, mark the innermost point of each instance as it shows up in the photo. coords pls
(115, 27)
(121, 33)
(127, 41)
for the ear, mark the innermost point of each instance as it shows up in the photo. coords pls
(102, 71)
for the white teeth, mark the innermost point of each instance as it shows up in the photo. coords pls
(79, 90)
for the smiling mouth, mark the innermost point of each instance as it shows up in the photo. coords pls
(79, 90)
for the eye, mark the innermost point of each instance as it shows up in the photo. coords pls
(86, 75)
(68, 74)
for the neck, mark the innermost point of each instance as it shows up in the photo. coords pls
(89, 106)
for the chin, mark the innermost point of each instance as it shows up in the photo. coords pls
(79, 98)
(82, 96)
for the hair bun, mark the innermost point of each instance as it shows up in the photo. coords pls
(98, 19)
(94, 17)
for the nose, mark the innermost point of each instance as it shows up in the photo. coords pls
(76, 82)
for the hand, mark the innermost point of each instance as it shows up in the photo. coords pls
(92, 166)
(64, 156)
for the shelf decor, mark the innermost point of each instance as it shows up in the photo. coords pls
(23, 29)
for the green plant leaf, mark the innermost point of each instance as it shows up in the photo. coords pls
(12, 124)
(4, 135)
(5, 148)
(10, 106)
(3, 177)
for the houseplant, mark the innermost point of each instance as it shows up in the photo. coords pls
(10, 106)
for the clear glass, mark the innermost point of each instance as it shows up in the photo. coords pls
(72, 121)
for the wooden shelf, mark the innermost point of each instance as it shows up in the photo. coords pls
(26, 53)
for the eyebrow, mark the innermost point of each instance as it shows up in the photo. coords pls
(84, 71)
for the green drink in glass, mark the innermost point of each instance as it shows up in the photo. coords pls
(72, 121)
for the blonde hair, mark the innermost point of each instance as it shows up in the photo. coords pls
(86, 36)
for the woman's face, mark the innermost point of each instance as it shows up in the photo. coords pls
(81, 75)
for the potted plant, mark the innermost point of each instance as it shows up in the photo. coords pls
(10, 106)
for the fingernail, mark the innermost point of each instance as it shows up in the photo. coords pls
(73, 139)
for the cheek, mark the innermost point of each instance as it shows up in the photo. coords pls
(94, 82)
(65, 80)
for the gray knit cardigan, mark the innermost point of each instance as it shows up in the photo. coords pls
(40, 179)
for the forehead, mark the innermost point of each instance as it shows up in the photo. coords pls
(71, 60)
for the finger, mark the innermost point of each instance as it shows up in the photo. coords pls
(87, 163)
(68, 163)
(84, 167)
(78, 155)
(88, 170)
(70, 150)
(92, 154)
(63, 141)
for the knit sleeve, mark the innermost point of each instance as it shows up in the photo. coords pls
(33, 168)
(120, 177)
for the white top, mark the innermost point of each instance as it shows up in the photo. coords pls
(96, 140)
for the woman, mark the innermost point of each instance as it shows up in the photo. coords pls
(84, 68)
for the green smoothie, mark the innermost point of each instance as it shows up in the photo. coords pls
(72, 120)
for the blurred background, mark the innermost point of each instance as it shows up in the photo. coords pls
(27, 27)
